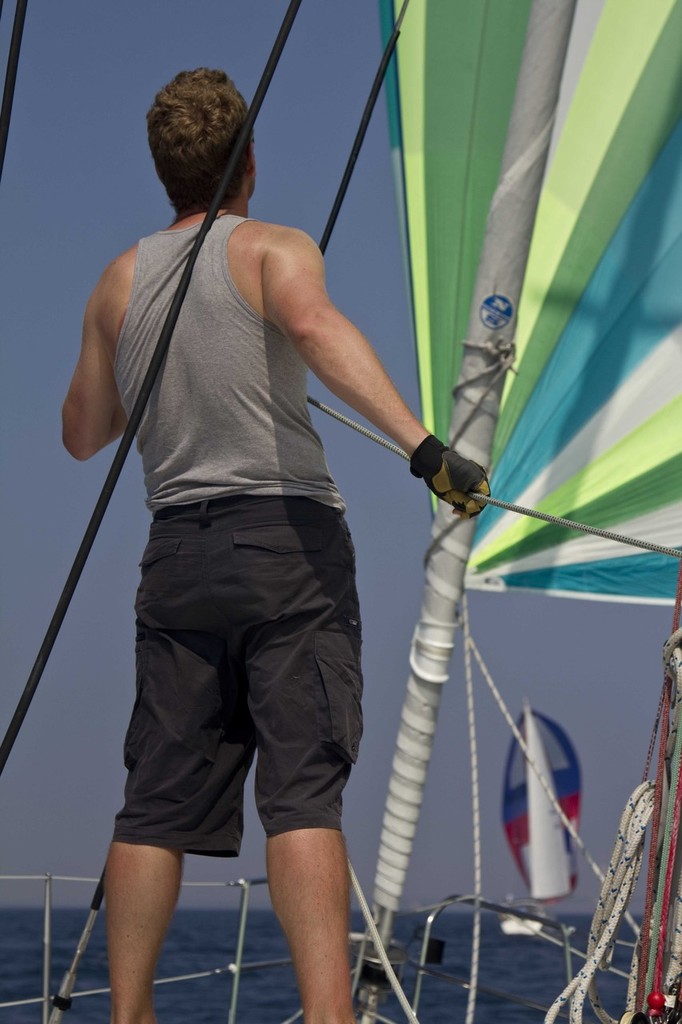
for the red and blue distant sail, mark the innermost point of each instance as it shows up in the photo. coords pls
(541, 845)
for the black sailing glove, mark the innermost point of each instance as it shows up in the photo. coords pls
(449, 475)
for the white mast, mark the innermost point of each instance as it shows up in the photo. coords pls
(490, 333)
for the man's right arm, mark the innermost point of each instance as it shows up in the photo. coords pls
(295, 299)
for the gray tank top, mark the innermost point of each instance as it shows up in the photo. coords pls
(228, 413)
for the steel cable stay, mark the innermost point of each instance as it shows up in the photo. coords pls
(362, 128)
(145, 391)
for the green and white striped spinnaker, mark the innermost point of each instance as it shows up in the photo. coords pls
(590, 426)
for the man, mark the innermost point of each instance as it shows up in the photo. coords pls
(248, 627)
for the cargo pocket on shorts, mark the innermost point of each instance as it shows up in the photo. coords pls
(155, 565)
(339, 712)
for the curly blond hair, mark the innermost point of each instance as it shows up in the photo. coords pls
(192, 126)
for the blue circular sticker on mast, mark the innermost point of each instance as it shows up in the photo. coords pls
(496, 311)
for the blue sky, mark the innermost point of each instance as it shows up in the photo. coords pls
(79, 187)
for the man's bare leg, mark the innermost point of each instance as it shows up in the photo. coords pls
(308, 878)
(141, 889)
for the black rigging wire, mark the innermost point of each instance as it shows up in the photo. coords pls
(362, 129)
(143, 397)
(11, 76)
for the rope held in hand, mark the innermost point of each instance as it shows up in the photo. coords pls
(485, 499)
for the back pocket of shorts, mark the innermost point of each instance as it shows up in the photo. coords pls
(339, 711)
(281, 538)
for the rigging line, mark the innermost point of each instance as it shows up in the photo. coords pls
(362, 129)
(11, 77)
(485, 499)
(145, 391)
(570, 524)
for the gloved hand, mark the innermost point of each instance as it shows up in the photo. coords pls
(449, 475)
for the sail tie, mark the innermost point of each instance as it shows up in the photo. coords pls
(503, 353)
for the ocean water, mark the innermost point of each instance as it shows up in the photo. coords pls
(204, 940)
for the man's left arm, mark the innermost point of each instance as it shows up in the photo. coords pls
(92, 414)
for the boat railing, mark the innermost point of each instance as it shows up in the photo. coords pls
(424, 964)
(548, 927)
(367, 964)
(235, 968)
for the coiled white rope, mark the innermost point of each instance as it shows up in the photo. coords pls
(615, 895)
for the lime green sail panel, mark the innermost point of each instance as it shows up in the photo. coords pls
(449, 103)
(591, 423)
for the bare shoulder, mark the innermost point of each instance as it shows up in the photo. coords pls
(109, 300)
(274, 239)
(260, 254)
(118, 276)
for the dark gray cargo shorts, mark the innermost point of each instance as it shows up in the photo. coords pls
(248, 640)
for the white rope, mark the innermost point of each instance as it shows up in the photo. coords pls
(615, 895)
(476, 827)
(379, 947)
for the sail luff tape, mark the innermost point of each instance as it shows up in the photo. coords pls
(389, 887)
(410, 773)
(439, 584)
(412, 745)
(422, 692)
(401, 810)
(395, 859)
(406, 787)
(392, 839)
(398, 837)
(400, 827)
(419, 721)
(534, 152)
